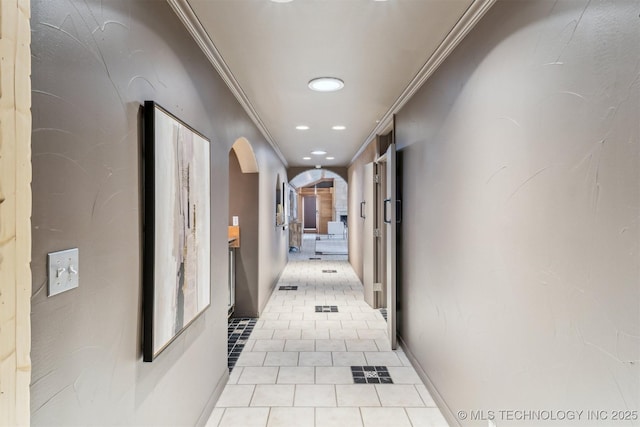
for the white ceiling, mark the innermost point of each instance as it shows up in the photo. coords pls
(274, 49)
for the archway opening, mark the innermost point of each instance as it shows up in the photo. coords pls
(246, 157)
(322, 211)
(243, 239)
(243, 230)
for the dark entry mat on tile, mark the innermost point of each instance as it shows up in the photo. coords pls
(238, 332)
(329, 271)
(326, 308)
(371, 375)
(315, 258)
(288, 288)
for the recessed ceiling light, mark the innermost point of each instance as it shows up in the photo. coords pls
(326, 84)
(288, 1)
(339, 127)
(318, 153)
(330, 158)
(306, 158)
(302, 127)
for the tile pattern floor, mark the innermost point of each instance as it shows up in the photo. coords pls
(331, 245)
(326, 308)
(238, 333)
(296, 369)
(371, 375)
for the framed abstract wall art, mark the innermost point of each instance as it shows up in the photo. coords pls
(279, 203)
(176, 224)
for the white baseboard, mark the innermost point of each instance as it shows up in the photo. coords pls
(433, 391)
(213, 399)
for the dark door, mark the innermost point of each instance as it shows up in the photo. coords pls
(310, 212)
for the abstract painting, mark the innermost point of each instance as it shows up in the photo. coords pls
(177, 247)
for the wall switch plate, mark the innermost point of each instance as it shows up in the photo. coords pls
(63, 269)
(377, 287)
(235, 220)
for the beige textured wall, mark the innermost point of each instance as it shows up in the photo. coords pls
(15, 212)
(274, 241)
(521, 198)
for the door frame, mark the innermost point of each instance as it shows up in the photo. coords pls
(368, 208)
(388, 220)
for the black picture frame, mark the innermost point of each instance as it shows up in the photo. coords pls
(176, 174)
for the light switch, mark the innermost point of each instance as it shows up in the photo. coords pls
(235, 221)
(64, 271)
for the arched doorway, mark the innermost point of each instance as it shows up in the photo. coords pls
(322, 209)
(243, 221)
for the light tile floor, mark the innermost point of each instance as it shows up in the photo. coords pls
(294, 370)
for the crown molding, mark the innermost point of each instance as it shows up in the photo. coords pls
(470, 18)
(188, 17)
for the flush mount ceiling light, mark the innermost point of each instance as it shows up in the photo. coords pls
(288, 1)
(330, 158)
(302, 127)
(326, 84)
(306, 158)
(339, 127)
(318, 153)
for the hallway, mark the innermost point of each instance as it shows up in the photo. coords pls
(299, 366)
(517, 199)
